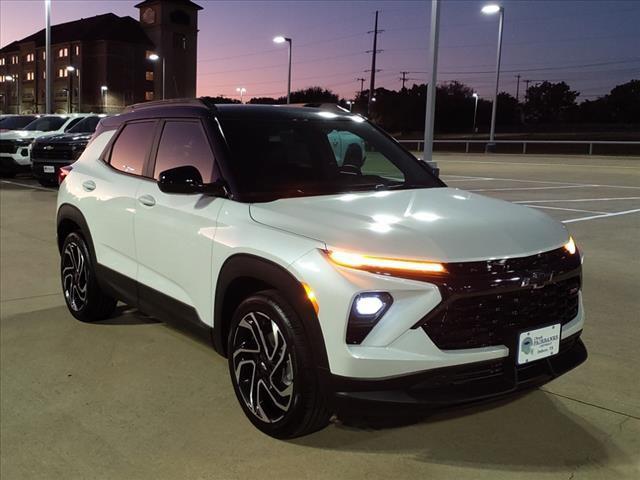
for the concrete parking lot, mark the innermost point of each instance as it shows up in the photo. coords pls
(133, 398)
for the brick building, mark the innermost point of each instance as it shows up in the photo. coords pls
(101, 63)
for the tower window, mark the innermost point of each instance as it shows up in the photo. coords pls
(179, 41)
(149, 76)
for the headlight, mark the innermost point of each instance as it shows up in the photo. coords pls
(366, 262)
(570, 246)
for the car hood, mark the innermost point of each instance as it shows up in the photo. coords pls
(65, 138)
(440, 224)
(22, 134)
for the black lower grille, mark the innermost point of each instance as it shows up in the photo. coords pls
(8, 146)
(486, 305)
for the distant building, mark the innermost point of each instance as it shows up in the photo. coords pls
(102, 64)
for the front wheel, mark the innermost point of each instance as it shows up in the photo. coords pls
(271, 370)
(84, 298)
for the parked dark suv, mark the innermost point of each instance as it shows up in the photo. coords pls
(52, 152)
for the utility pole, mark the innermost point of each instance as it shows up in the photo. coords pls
(427, 155)
(374, 52)
(361, 80)
(404, 78)
(48, 68)
(518, 88)
(526, 88)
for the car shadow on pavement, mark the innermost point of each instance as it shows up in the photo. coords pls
(126, 315)
(528, 432)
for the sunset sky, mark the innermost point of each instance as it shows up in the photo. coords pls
(592, 45)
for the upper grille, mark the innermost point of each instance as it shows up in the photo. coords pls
(58, 152)
(487, 303)
(8, 146)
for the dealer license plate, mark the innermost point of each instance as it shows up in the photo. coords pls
(539, 343)
(49, 169)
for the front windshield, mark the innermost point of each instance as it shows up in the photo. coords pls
(293, 157)
(46, 124)
(17, 122)
(86, 125)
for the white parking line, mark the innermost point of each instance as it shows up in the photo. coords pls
(467, 178)
(536, 164)
(563, 200)
(26, 185)
(615, 214)
(560, 208)
(529, 188)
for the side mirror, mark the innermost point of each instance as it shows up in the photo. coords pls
(187, 180)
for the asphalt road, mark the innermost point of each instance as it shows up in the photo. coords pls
(133, 398)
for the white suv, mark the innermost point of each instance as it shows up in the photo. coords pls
(15, 145)
(328, 287)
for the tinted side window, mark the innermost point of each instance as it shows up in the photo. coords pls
(131, 147)
(184, 143)
(72, 123)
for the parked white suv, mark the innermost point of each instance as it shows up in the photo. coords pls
(328, 287)
(15, 145)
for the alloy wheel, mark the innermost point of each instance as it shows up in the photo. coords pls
(74, 276)
(263, 367)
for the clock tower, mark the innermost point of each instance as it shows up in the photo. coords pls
(172, 25)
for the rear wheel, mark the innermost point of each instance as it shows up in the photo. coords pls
(272, 373)
(84, 298)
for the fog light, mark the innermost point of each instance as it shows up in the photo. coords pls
(368, 305)
(366, 311)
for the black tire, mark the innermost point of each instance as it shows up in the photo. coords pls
(291, 374)
(88, 304)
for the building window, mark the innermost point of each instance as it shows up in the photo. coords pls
(14, 59)
(149, 96)
(30, 57)
(2, 61)
(44, 54)
(149, 76)
(63, 72)
(63, 52)
(77, 50)
(44, 74)
(31, 76)
(179, 41)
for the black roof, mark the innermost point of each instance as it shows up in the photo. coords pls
(101, 27)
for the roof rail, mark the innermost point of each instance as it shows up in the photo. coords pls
(173, 102)
(331, 107)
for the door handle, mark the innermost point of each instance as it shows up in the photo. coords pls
(147, 200)
(89, 185)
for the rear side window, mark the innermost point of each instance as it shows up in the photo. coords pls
(131, 148)
(72, 123)
(184, 143)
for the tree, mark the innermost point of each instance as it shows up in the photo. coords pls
(550, 102)
(263, 101)
(311, 95)
(624, 102)
(220, 99)
(508, 112)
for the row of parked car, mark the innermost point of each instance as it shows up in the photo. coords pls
(43, 144)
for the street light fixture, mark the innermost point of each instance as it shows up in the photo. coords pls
(281, 39)
(103, 90)
(154, 57)
(475, 111)
(490, 10)
(350, 103)
(71, 69)
(241, 91)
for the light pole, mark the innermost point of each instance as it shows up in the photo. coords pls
(154, 57)
(103, 90)
(430, 112)
(241, 91)
(15, 79)
(71, 69)
(281, 39)
(490, 10)
(475, 111)
(350, 103)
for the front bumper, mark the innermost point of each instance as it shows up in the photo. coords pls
(453, 385)
(15, 162)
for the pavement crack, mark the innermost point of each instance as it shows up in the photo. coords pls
(592, 405)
